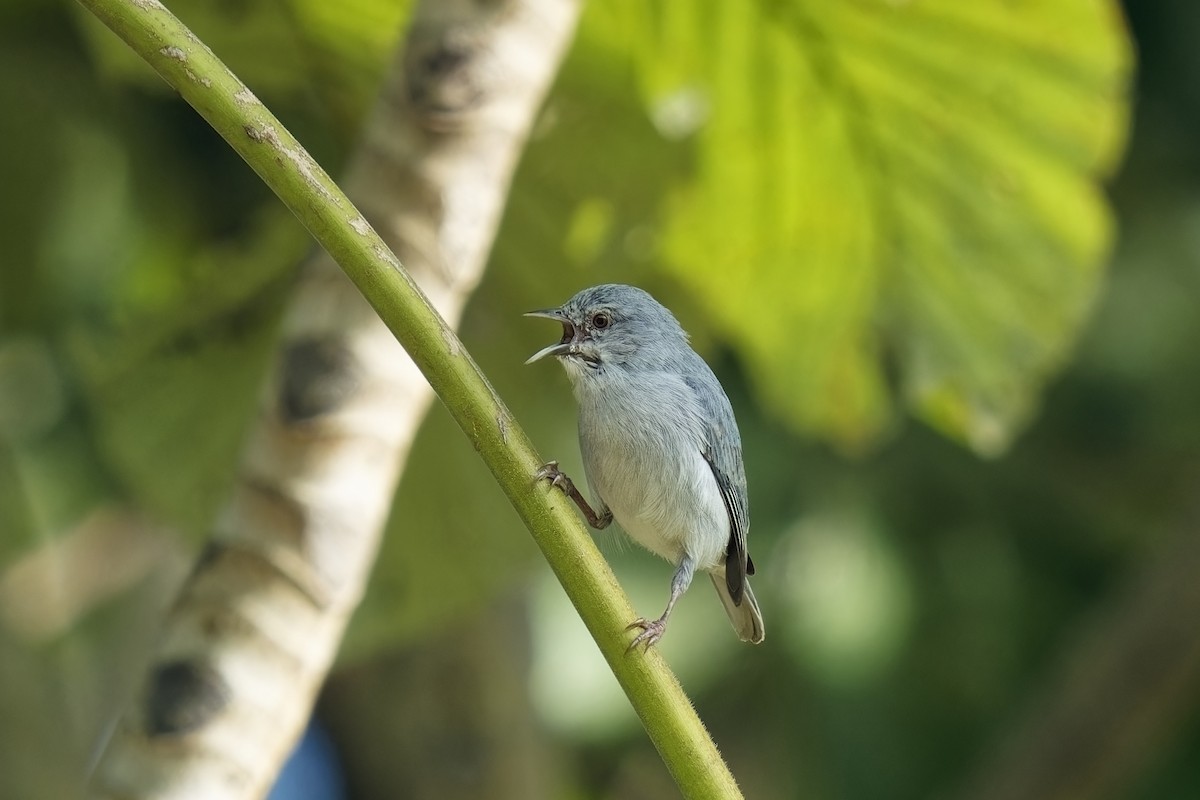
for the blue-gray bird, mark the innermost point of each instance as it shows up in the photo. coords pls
(660, 446)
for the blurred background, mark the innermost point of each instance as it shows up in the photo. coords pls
(946, 263)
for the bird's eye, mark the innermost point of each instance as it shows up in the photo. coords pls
(601, 320)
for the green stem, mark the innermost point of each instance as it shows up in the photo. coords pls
(204, 82)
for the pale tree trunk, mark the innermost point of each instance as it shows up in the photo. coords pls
(256, 625)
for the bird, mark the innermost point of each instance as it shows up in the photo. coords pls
(660, 445)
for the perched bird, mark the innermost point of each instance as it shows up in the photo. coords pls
(660, 446)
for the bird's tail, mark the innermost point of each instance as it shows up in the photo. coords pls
(746, 618)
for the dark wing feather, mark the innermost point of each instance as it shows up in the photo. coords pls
(723, 452)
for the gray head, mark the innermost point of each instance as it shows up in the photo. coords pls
(613, 326)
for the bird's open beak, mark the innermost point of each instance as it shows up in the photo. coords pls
(559, 348)
(547, 313)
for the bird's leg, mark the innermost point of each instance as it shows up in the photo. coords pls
(653, 630)
(551, 472)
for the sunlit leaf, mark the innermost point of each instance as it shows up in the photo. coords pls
(911, 183)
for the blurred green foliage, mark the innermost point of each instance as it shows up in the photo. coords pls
(852, 206)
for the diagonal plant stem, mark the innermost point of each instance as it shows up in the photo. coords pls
(205, 83)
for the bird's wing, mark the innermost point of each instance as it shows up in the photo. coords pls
(722, 450)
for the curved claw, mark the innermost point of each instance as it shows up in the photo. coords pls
(651, 632)
(556, 476)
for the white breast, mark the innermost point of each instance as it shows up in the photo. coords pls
(643, 453)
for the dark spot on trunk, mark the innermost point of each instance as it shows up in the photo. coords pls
(442, 75)
(318, 376)
(208, 556)
(183, 696)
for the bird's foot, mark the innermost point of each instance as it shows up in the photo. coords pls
(651, 631)
(551, 472)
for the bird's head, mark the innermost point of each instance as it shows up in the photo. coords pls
(612, 327)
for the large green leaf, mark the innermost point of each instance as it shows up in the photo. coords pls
(883, 184)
